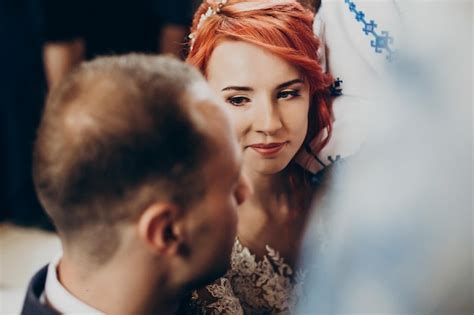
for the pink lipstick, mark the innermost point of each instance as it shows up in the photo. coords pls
(268, 149)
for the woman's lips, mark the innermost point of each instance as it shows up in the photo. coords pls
(268, 149)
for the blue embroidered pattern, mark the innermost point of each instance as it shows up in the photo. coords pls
(381, 42)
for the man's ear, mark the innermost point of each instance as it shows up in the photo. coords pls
(157, 228)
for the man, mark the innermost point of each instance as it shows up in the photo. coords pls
(139, 171)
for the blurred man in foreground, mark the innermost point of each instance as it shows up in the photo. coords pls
(145, 207)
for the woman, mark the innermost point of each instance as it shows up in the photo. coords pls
(261, 58)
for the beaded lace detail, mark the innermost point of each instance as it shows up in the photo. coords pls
(251, 286)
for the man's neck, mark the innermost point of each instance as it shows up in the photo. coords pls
(113, 289)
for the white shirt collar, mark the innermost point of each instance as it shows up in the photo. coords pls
(57, 297)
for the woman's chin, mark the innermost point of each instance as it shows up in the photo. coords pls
(269, 167)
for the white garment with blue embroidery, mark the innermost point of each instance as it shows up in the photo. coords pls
(348, 53)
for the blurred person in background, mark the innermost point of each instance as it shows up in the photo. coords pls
(145, 207)
(22, 91)
(80, 30)
(393, 230)
(46, 39)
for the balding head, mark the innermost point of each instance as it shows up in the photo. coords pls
(117, 135)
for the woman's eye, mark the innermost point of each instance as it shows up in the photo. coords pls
(288, 94)
(238, 100)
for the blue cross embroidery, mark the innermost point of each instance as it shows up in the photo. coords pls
(369, 27)
(381, 42)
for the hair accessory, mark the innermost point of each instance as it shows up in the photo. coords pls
(381, 42)
(335, 89)
(211, 10)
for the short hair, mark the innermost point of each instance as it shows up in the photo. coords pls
(116, 136)
(285, 29)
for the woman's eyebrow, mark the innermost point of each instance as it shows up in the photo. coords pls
(288, 83)
(237, 88)
(247, 88)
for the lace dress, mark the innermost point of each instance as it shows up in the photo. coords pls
(266, 286)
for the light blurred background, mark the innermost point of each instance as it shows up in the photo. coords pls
(395, 223)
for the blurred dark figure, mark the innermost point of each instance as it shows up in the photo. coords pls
(22, 90)
(62, 34)
(81, 30)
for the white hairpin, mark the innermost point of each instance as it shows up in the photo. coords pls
(211, 10)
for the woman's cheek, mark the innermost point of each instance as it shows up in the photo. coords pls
(240, 125)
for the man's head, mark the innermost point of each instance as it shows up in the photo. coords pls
(133, 154)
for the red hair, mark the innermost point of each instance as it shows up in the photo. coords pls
(284, 28)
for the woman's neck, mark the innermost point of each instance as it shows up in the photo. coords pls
(266, 217)
(269, 191)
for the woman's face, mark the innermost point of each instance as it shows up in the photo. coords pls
(268, 100)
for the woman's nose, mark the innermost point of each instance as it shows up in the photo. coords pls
(267, 118)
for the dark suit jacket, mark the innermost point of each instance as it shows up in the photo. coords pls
(32, 304)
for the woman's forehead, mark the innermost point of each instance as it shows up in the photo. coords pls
(241, 63)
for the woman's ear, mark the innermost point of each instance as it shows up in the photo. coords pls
(157, 228)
